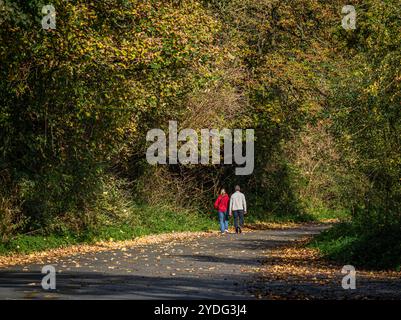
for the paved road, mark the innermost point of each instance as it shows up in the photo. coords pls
(218, 267)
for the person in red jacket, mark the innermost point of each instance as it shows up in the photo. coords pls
(221, 205)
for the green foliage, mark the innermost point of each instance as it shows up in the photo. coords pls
(350, 243)
(72, 97)
(365, 114)
(365, 117)
(141, 220)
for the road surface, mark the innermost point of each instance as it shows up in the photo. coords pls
(217, 267)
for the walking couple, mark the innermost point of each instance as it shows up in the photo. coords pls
(226, 207)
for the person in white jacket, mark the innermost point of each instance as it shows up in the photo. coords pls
(238, 208)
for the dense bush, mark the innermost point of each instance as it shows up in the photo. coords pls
(365, 110)
(72, 97)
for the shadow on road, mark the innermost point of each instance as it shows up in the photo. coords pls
(97, 286)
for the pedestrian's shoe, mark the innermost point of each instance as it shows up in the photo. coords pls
(239, 230)
(226, 231)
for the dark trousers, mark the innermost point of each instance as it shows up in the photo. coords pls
(238, 215)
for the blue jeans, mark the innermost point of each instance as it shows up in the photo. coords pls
(223, 221)
(238, 215)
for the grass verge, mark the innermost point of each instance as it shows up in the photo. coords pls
(143, 220)
(377, 248)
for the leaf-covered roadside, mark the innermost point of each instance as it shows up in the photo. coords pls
(49, 256)
(297, 271)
